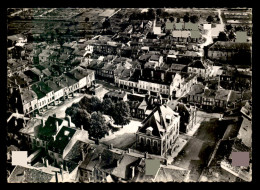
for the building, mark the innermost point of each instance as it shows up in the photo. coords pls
(29, 100)
(116, 95)
(231, 51)
(198, 68)
(45, 95)
(159, 131)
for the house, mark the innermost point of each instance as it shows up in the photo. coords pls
(116, 95)
(197, 67)
(99, 164)
(45, 131)
(29, 100)
(58, 143)
(165, 173)
(195, 95)
(231, 51)
(44, 55)
(45, 95)
(55, 85)
(159, 131)
(182, 85)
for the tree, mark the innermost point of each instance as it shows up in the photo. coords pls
(86, 19)
(222, 36)
(171, 19)
(210, 19)
(231, 36)
(165, 14)
(229, 27)
(98, 127)
(186, 18)
(194, 19)
(90, 104)
(108, 106)
(121, 113)
(150, 14)
(106, 23)
(159, 12)
(80, 117)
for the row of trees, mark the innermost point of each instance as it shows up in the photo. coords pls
(89, 114)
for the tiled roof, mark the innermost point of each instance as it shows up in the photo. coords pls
(22, 174)
(231, 45)
(41, 89)
(123, 170)
(197, 89)
(171, 175)
(27, 95)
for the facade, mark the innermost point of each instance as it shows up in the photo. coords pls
(159, 131)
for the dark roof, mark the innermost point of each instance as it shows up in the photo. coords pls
(177, 67)
(115, 94)
(41, 89)
(54, 84)
(49, 129)
(109, 160)
(222, 45)
(197, 64)
(62, 139)
(157, 122)
(209, 93)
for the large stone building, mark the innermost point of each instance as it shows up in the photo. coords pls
(159, 132)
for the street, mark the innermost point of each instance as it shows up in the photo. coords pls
(199, 147)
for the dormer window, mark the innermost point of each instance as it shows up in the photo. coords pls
(149, 131)
(168, 119)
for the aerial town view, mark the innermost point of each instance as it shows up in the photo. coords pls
(116, 95)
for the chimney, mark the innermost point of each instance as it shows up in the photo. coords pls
(57, 126)
(82, 127)
(16, 110)
(133, 172)
(99, 157)
(43, 122)
(141, 72)
(47, 162)
(68, 118)
(15, 81)
(61, 171)
(146, 154)
(117, 163)
(111, 146)
(43, 161)
(129, 150)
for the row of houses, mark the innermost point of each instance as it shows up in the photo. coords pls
(41, 94)
(202, 96)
